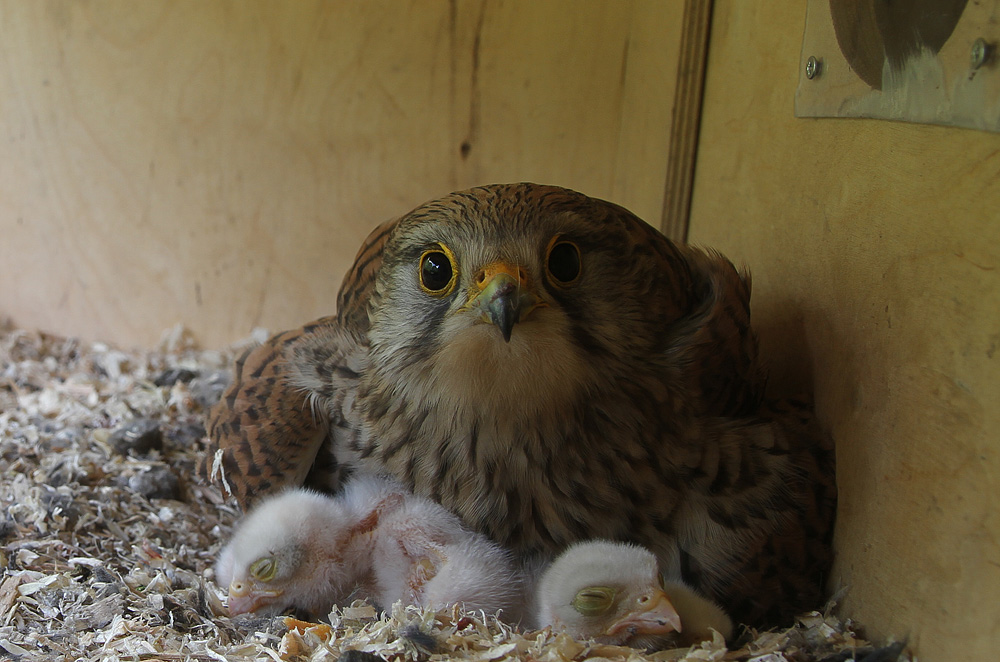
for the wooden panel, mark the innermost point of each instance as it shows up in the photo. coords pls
(932, 61)
(217, 163)
(875, 248)
(686, 118)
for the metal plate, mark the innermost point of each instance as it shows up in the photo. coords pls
(927, 61)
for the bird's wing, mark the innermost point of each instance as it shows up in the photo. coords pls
(268, 429)
(480, 575)
(775, 475)
(263, 433)
(714, 345)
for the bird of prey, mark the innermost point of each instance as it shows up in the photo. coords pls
(552, 369)
(305, 550)
(615, 594)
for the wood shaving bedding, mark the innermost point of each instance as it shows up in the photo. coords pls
(107, 538)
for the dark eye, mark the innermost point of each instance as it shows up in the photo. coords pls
(564, 261)
(436, 273)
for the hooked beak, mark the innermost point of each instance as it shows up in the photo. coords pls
(503, 296)
(654, 615)
(244, 599)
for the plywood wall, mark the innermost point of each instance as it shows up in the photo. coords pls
(875, 248)
(217, 163)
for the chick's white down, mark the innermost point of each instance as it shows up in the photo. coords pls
(613, 592)
(309, 551)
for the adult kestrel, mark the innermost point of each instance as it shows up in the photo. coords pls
(552, 369)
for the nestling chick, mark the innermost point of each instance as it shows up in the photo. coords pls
(614, 593)
(310, 551)
(298, 549)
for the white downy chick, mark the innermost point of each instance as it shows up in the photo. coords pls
(613, 593)
(374, 539)
(302, 549)
(424, 555)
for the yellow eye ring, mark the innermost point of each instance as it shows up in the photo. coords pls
(594, 600)
(562, 261)
(438, 271)
(264, 569)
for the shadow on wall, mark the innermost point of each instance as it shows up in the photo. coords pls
(784, 348)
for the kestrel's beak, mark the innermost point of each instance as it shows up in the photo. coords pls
(503, 296)
(244, 598)
(653, 615)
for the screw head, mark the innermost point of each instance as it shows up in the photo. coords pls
(813, 67)
(980, 54)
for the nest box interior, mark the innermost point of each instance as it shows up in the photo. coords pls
(217, 165)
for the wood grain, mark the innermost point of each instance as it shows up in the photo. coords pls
(901, 61)
(875, 251)
(686, 118)
(217, 163)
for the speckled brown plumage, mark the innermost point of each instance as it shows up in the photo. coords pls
(259, 414)
(628, 403)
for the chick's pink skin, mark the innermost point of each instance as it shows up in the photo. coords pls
(652, 614)
(244, 598)
(424, 555)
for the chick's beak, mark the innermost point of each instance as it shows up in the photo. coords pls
(502, 296)
(653, 614)
(244, 598)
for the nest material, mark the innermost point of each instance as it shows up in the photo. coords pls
(107, 539)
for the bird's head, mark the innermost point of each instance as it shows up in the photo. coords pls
(606, 591)
(525, 284)
(282, 555)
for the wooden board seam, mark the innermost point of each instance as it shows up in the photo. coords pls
(686, 119)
